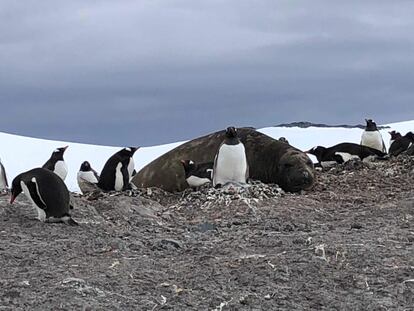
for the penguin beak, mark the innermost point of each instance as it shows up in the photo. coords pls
(66, 147)
(12, 198)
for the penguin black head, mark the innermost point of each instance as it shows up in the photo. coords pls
(129, 151)
(85, 167)
(231, 132)
(58, 153)
(16, 188)
(317, 151)
(283, 140)
(188, 165)
(394, 135)
(371, 125)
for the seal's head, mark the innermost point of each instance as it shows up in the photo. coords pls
(296, 171)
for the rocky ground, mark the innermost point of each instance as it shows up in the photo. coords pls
(347, 244)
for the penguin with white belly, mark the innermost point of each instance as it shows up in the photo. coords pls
(87, 178)
(230, 162)
(371, 137)
(48, 194)
(4, 185)
(117, 171)
(197, 174)
(57, 164)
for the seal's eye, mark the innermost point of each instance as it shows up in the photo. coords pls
(288, 165)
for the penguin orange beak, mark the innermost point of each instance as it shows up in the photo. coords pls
(12, 198)
(66, 147)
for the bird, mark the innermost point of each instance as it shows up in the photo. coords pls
(371, 137)
(230, 162)
(56, 163)
(401, 144)
(117, 171)
(87, 178)
(342, 153)
(4, 185)
(47, 192)
(196, 174)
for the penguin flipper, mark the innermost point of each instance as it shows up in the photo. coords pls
(384, 149)
(125, 176)
(3, 170)
(247, 171)
(35, 195)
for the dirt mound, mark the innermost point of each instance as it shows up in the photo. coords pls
(347, 244)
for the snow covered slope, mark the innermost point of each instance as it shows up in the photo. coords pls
(20, 154)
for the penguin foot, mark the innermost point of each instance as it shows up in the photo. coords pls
(67, 219)
(71, 222)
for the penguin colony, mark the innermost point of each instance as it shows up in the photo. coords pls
(45, 188)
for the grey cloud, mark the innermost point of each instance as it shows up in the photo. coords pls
(150, 72)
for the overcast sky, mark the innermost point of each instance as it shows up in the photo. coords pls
(148, 72)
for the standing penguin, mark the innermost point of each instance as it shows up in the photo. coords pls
(230, 162)
(87, 178)
(371, 137)
(117, 171)
(4, 185)
(47, 192)
(57, 164)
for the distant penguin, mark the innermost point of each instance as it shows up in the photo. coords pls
(47, 192)
(401, 144)
(87, 178)
(371, 137)
(197, 175)
(230, 162)
(283, 140)
(4, 185)
(118, 170)
(394, 135)
(57, 164)
(342, 153)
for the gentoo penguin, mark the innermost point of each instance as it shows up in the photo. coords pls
(197, 175)
(230, 162)
(87, 178)
(371, 137)
(117, 171)
(57, 164)
(283, 140)
(47, 192)
(394, 135)
(4, 185)
(343, 152)
(401, 144)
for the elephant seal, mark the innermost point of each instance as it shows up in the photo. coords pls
(269, 160)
